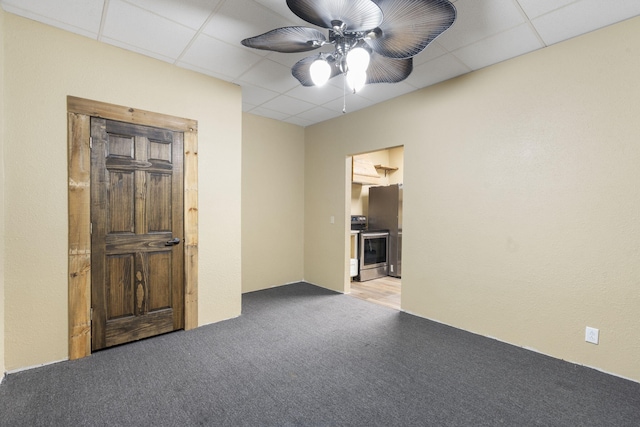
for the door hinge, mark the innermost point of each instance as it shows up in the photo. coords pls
(90, 228)
(91, 314)
(90, 142)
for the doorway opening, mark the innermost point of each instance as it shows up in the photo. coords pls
(375, 254)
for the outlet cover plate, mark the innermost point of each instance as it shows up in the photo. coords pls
(591, 335)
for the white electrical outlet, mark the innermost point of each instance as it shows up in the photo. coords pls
(591, 335)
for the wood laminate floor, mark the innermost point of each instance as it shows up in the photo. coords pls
(384, 291)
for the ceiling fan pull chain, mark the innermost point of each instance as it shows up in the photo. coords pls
(344, 94)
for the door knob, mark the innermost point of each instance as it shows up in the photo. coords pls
(173, 242)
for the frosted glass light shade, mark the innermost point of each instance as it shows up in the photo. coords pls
(320, 71)
(356, 80)
(358, 59)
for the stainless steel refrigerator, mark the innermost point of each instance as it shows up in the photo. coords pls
(385, 213)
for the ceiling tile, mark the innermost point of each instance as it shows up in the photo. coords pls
(379, 92)
(139, 50)
(477, 20)
(190, 13)
(265, 112)
(535, 8)
(77, 16)
(440, 69)
(500, 47)
(256, 95)
(281, 8)
(270, 75)
(582, 17)
(432, 51)
(142, 29)
(205, 53)
(350, 103)
(316, 95)
(203, 71)
(319, 114)
(232, 23)
(288, 105)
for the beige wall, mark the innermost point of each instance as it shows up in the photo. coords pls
(272, 203)
(396, 160)
(42, 66)
(2, 205)
(521, 198)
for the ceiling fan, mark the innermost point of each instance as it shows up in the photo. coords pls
(374, 41)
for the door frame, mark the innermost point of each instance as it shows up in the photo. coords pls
(79, 113)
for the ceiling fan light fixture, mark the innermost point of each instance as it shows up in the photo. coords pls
(358, 59)
(320, 72)
(356, 79)
(374, 41)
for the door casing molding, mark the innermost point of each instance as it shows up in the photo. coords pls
(79, 113)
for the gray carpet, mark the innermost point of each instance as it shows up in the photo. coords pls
(303, 356)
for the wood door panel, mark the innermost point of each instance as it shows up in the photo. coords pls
(141, 294)
(159, 289)
(120, 286)
(120, 146)
(160, 151)
(121, 202)
(129, 329)
(136, 211)
(159, 207)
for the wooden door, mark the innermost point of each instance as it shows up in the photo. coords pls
(137, 232)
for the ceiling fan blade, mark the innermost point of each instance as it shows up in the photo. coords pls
(301, 69)
(287, 40)
(383, 69)
(410, 25)
(358, 15)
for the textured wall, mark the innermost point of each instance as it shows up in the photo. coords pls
(272, 203)
(396, 159)
(2, 204)
(521, 198)
(42, 66)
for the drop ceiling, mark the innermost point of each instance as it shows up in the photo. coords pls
(205, 35)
